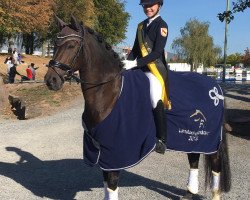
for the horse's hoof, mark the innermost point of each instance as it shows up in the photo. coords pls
(188, 196)
(160, 147)
(216, 195)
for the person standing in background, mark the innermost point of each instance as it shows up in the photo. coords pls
(33, 69)
(19, 58)
(12, 74)
(9, 62)
(15, 56)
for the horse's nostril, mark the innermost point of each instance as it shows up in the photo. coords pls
(54, 79)
(48, 83)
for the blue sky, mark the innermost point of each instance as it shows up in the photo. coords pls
(177, 12)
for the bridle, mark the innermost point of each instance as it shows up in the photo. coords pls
(69, 69)
(62, 66)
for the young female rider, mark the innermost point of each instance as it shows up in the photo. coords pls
(148, 54)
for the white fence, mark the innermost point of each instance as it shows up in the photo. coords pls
(239, 74)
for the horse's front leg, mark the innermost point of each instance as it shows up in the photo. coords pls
(111, 179)
(193, 182)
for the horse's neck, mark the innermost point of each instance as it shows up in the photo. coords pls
(101, 66)
(99, 100)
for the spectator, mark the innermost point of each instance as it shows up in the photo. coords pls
(15, 56)
(29, 73)
(9, 62)
(33, 69)
(13, 73)
(19, 59)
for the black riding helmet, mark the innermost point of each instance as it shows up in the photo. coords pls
(150, 2)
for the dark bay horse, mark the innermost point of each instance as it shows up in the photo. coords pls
(79, 48)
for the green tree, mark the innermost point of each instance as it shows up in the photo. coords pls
(246, 58)
(108, 17)
(195, 45)
(112, 20)
(83, 10)
(238, 6)
(233, 59)
(3, 35)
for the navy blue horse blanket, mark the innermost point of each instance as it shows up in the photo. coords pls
(194, 123)
(128, 134)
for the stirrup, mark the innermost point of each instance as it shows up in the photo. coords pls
(160, 147)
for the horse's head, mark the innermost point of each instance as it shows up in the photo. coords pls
(79, 48)
(68, 45)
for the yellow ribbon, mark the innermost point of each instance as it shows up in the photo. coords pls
(153, 69)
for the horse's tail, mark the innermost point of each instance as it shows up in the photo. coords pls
(225, 174)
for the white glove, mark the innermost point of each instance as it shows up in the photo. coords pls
(129, 64)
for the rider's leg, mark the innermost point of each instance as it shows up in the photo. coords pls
(111, 179)
(158, 112)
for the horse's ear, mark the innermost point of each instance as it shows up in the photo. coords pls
(74, 23)
(61, 24)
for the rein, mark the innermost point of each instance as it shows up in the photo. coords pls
(69, 68)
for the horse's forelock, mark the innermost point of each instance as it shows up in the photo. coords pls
(67, 30)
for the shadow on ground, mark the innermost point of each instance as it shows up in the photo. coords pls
(62, 179)
(242, 89)
(238, 119)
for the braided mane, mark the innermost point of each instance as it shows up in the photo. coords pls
(106, 45)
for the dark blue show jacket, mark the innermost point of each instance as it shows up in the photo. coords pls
(158, 39)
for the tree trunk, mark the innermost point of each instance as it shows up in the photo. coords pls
(10, 44)
(44, 48)
(191, 66)
(29, 43)
(48, 50)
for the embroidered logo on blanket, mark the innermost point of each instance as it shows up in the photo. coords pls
(199, 118)
(214, 95)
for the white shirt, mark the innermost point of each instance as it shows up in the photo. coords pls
(152, 19)
(9, 65)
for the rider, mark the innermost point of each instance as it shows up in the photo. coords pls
(148, 54)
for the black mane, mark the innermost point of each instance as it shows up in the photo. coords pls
(105, 45)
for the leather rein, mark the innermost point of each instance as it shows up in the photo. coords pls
(69, 69)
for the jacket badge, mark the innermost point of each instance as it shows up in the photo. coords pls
(164, 32)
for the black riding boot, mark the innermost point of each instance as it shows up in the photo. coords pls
(161, 129)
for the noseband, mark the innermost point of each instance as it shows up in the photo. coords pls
(69, 69)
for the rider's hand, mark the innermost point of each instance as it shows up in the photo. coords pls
(129, 64)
